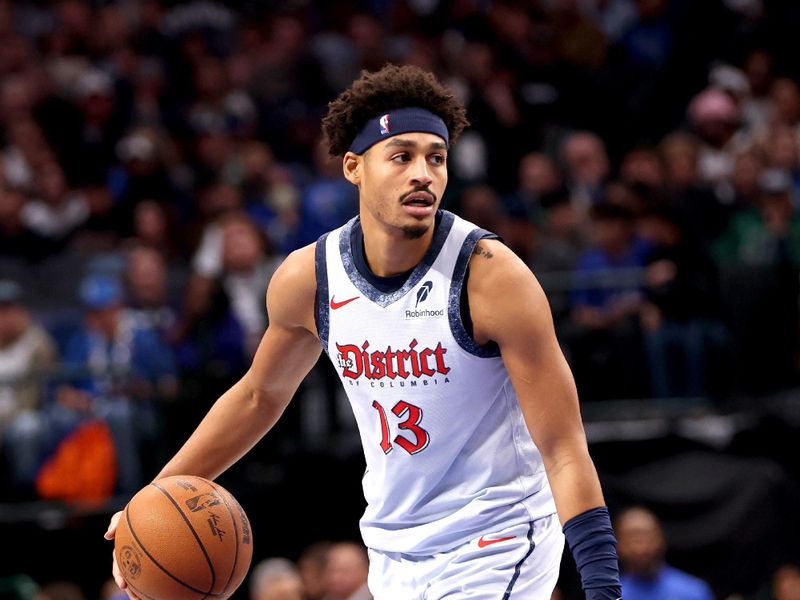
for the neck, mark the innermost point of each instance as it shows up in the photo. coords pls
(389, 252)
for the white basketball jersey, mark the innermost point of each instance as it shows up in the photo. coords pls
(448, 454)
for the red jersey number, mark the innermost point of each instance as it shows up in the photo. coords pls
(412, 417)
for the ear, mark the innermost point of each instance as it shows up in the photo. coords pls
(351, 167)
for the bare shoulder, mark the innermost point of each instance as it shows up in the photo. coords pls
(504, 294)
(493, 263)
(292, 290)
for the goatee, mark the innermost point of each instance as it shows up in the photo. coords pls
(414, 232)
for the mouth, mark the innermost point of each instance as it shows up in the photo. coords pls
(419, 198)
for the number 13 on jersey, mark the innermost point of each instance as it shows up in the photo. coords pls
(411, 417)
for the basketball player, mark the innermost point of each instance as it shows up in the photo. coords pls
(444, 342)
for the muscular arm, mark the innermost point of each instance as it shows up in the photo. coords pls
(243, 414)
(288, 350)
(508, 306)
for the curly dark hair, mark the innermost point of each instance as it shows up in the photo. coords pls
(390, 88)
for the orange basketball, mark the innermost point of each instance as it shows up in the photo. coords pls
(183, 538)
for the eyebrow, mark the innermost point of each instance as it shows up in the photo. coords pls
(405, 143)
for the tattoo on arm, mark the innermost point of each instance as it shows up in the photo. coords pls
(482, 252)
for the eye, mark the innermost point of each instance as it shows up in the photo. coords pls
(438, 159)
(402, 157)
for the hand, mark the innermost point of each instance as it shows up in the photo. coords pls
(660, 273)
(115, 571)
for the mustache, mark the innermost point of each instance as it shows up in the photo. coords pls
(416, 190)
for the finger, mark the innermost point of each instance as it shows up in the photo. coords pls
(112, 526)
(117, 574)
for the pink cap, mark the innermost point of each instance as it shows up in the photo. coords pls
(713, 104)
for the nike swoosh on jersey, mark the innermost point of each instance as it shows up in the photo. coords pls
(335, 305)
(482, 543)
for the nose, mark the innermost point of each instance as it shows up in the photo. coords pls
(420, 174)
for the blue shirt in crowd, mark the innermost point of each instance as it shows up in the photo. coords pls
(669, 584)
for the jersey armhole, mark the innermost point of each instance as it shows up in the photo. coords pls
(460, 323)
(321, 311)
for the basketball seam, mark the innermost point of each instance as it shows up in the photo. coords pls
(156, 563)
(130, 528)
(196, 537)
(236, 537)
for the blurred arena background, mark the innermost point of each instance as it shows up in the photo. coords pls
(159, 158)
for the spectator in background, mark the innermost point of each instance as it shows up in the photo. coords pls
(493, 105)
(57, 212)
(140, 175)
(216, 104)
(757, 108)
(715, 119)
(146, 277)
(368, 37)
(768, 234)
(681, 301)
(587, 167)
(328, 200)
(209, 340)
(641, 546)
(247, 270)
(214, 201)
(270, 197)
(785, 103)
(705, 212)
(60, 590)
(538, 176)
(781, 151)
(679, 151)
(289, 88)
(648, 42)
(101, 121)
(606, 302)
(27, 356)
(212, 145)
(580, 40)
(312, 563)
(129, 368)
(558, 245)
(481, 205)
(149, 82)
(759, 258)
(642, 166)
(786, 582)
(154, 227)
(275, 579)
(346, 572)
(733, 82)
(747, 169)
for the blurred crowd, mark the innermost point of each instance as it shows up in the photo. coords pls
(338, 571)
(159, 158)
(324, 571)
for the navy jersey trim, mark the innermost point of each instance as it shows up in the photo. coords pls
(457, 327)
(384, 284)
(518, 566)
(322, 313)
(384, 299)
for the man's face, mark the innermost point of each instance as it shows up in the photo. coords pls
(401, 181)
(346, 570)
(640, 543)
(12, 322)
